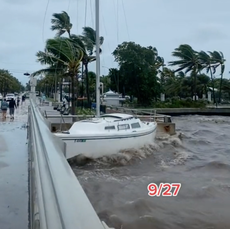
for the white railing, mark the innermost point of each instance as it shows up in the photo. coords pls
(57, 200)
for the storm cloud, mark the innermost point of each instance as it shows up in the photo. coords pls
(25, 26)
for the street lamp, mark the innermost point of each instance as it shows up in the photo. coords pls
(27, 74)
(33, 83)
(82, 79)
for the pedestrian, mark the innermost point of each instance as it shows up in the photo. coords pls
(43, 99)
(12, 105)
(4, 107)
(18, 101)
(23, 99)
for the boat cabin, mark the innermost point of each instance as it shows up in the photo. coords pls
(107, 123)
(126, 121)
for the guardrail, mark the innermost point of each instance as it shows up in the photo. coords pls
(57, 200)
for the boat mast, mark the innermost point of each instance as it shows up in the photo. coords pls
(97, 60)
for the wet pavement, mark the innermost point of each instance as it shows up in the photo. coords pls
(14, 171)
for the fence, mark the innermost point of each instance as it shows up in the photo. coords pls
(57, 200)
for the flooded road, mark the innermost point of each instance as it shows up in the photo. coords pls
(198, 158)
(14, 171)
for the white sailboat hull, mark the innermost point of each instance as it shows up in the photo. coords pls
(96, 147)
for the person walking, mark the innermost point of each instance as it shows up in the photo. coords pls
(23, 99)
(12, 105)
(18, 101)
(4, 106)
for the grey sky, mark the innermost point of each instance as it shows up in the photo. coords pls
(165, 24)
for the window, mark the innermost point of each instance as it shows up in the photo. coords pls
(110, 128)
(123, 127)
(135, 125)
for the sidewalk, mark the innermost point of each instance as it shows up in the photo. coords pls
(51, 112)
(14, 171)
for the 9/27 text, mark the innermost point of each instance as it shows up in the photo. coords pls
(164, 189)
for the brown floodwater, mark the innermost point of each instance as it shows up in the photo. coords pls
(198, 157)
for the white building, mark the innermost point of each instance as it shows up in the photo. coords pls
(111, 98)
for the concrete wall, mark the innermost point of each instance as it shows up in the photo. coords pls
(193, 111)
(167, 128)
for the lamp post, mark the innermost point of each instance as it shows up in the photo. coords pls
(82, 91)
(33, 83)
(81, 79)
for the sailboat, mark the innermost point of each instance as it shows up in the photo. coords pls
(107, 134)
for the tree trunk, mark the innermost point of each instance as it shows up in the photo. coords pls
(213, 92)
(117, 81)
(221, 81)
(82, 84)
(69, 91)
(73, 107)
(195, 83)
(87, 84)
(60, 89)
(195, 87)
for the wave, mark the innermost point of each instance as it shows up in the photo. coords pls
(132, 215)
(213, 166)
(204, 133)
(165, 151)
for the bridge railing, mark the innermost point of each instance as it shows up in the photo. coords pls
(57, 200)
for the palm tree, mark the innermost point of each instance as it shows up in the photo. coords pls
(174, 84)
(210, 64)
(203, 81)
(218, 58)
(89, 40)
(62, 54)
(165, 74)
(61, 23)
(188, 61)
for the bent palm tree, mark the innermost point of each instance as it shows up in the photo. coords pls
(188, 61)
(209, 63)
(89, 40)
(61, 23)
(63, 54)
(218, 58)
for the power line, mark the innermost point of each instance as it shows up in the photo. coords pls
(85, 11)
(92, 16)
(117, 22)
(18, 63)
(125, 18)
(68, 6)
(44, 20)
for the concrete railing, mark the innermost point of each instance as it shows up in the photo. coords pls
(57, 200)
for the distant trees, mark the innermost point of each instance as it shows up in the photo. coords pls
(8, 83)
(192, 61)
(142, 73)
(137, 73)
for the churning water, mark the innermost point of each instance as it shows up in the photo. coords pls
(198, 157)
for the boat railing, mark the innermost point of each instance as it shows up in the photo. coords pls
(145, 114)
(57, 199)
